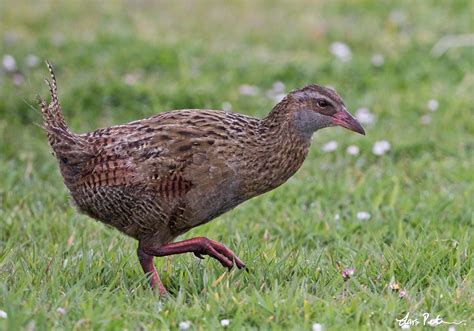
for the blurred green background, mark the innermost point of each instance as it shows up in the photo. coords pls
(404, 67)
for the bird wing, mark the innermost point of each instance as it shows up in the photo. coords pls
(170, 159)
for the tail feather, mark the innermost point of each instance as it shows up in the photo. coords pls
(53, 118)
(70, 149)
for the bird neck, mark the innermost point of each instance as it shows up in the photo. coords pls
(281, 152)
(280, 131)
(285, 147)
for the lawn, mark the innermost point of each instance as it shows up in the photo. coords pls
(403, 220)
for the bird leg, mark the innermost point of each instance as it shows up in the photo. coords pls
(199, 246)
(148, 267)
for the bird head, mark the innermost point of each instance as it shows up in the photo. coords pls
(315, 107)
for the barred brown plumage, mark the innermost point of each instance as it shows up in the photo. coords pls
(156, 178)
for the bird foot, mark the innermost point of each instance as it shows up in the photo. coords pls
(199, 246)
(218, 251)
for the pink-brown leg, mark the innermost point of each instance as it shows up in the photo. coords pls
(200, 246)
(148, 266)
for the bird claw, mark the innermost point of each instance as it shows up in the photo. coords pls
(197, 254)
(224, 255)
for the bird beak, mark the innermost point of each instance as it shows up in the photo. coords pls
(346, 120)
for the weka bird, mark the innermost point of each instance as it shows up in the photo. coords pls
(156, 178)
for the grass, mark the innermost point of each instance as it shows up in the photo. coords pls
(197, 54)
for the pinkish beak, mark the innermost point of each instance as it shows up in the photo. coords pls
(346, 120)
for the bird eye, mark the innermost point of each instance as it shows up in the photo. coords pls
(322, 103)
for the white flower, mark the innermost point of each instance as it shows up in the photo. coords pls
(278, 97)
(352, 150)
(18, 79)
(317, 327)
(61, 310)
(3, 314)
(131, 78)
(452, 328)
(337, 217)
(278, 87)
(225, 323)
(394, 286)
(425, 119)
(364, 116)
(330, 146)
(249, 90)
(9, 63)
(341, 51)
(363, 215)
(433, 104)
(397, 16)
(381, 147)
(31, 60)
(226, 106)
(277, 92)
(405, 326)
(159, 306)
(377, 60)
(184, 325)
